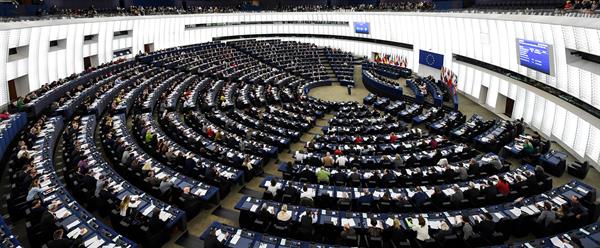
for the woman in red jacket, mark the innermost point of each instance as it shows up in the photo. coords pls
(502, 187)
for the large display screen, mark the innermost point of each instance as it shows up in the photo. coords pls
(361, 27)
(431, 59)
(535, 55)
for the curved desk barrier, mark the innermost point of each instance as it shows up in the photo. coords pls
(334, 193)
(511, 215)
(7, 238)
(242, 238)
(406, 177)
(309, 86)
(419, 97)
(9, 129)
(380, 88)
(586, 237)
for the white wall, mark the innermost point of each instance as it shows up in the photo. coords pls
(489, 38)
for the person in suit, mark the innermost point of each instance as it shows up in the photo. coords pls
(354, 176)
(36, 211)
(366, 197)
(576, 207)
(438, 197)
(467, 228)
(88, 181)
(457, 196)
(395, 232)
(264, 214)
(471, 193)
(155, 224)
(347, 231)
(306, 224)
(463, 174)
(540, 175)
(398, 161)
(374, 230)
(306, 173)
(388, 176)
(212, 241)
(189, 165)
(486, 226)
(489, 191)
(165, 184)
(48, 219)
(474, 167)
(547, 216)
(443, 232)
(419, 197)
(61, 242)
(339, 177)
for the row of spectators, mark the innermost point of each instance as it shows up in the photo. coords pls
(55, 12)
(591, 5)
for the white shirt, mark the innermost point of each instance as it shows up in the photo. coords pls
(422, 231)
(300, 157)
(306, 194)
(341, 160)
(273, 189)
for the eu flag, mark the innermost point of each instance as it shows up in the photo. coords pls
(434, 60)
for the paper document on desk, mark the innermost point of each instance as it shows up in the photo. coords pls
(164, 216)
(350, 222)
(73, 224)
(435, 224)
(200, 192)
(389, 221)
(97, 243)
(559, 243)
(235, 239)
(516, 211)
(73, 234)
(148, 210)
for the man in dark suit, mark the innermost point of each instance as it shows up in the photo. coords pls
(61, 242)
(155, 224)
(36, 211)
(88, 181)
(213, 242)
(189, 165)
(388, 176)
(366, 197)
(339, 177)
(489, 191)
(486, 227)
(438, 197)
(306, 225)
(419, 197)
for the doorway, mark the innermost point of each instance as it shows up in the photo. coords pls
(12, 90)
(483, 95)
(508, 109)
(148, 48)
(90, 61)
